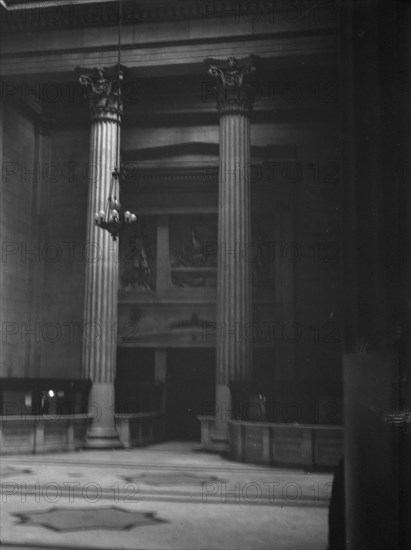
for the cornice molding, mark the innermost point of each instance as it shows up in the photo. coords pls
(192, 41)
(43, 14)
(206, 173)
(284, 152)
(172, 57)
(170, 176)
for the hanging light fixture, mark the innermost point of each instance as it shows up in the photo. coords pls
(113, 218)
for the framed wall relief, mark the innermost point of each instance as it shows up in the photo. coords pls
(137, 269)
(193, 251)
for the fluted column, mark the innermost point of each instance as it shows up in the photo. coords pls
(234, 352)
(100, 313)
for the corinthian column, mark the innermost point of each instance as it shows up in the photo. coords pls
(100, 313)
(234, 352)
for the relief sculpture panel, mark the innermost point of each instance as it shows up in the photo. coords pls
(138, 258)
(193, 251)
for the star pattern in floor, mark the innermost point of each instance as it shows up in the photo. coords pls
(10, 471)
(79, 519)
(170, 478)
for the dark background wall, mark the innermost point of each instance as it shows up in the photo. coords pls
(18, 193)
(294, 124)
(374, 77)
(63, 294)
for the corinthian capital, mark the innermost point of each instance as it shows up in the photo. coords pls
(232, 78)
(103, 89)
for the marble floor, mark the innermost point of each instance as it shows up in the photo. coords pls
(166, 496)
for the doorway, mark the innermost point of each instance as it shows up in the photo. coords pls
(190, 389)
(135, 387)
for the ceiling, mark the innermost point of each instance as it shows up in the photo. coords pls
(35, 4)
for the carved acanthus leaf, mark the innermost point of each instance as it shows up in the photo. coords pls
(231, 77)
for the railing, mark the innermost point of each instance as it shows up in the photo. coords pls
(308, 446)
(139, 429)
(30, 434)
(41, 434)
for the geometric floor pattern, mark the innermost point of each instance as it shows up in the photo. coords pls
(79, 519)
(170, 478)
(170, 496)
(9, 471)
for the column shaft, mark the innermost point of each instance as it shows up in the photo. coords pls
(100, 316)
(234, 348)
(234, 303)
(234, 352)
(100, 313)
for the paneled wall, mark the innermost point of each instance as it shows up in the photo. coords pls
(44, 197)
(63, 295)
(19, 251)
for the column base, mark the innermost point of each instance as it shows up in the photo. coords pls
(102, 433)
(218, 440)
(223, 410)
(103, 440)
(214, 430)
(213, 439)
